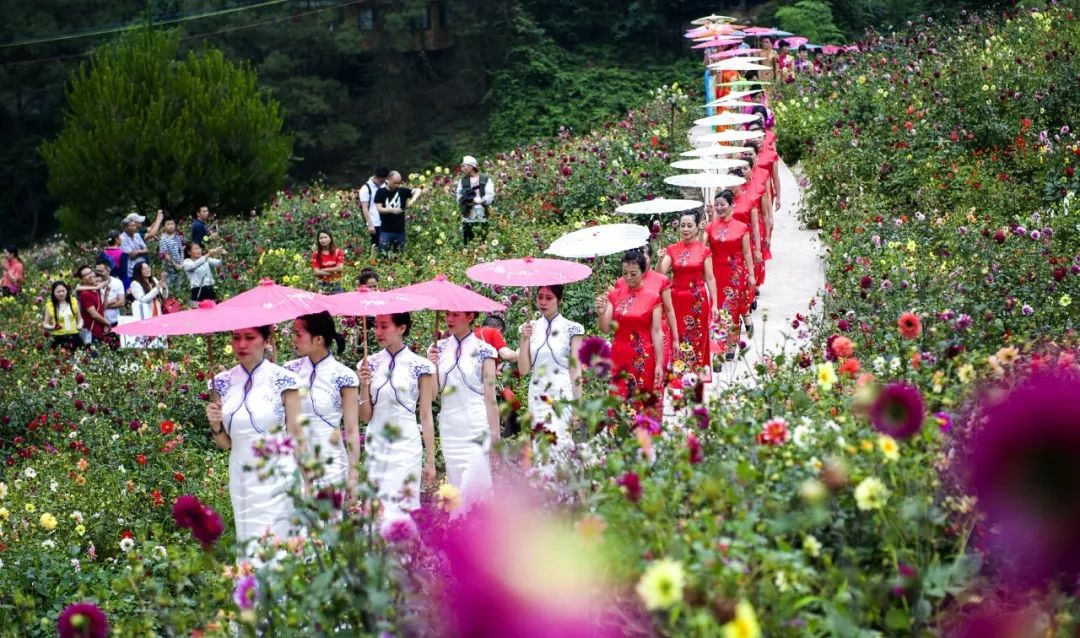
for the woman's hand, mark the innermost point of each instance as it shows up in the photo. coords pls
(427, 478)
(601, 304)
(527, 330)
(433, 354)
(213, 413)
(658, 379)
(716, 313)
(364, 373)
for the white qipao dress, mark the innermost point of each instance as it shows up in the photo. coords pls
(262, 466)
(549, 351)
(393, 446)
(320, 407)
(463, 419)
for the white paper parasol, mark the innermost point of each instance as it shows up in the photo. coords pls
(658, 206)
(716, 151)
(597, 241)
(730, 136)
(709, 164)
(704, 180)
(738, 64)
(728, 119)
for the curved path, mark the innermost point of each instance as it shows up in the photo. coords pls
(795, 276)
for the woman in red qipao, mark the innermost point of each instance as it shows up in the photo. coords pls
(733, 269)
(634, 310)
(691, 262)
(660, 284)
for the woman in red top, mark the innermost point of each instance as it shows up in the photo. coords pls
(328, 261)
(733, 268)
(637, 349)
(13, 272)
(691, 262)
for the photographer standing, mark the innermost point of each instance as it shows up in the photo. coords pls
(475, 193)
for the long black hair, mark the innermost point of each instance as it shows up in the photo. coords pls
(321, 324)
(52, 301)
(331, 249)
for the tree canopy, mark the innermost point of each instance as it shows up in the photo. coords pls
(144, 130)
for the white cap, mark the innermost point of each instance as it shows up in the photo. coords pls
(469, 160)
(133, 217)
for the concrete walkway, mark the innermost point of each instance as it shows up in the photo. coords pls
(793, 278)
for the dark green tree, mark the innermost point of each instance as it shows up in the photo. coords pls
(810, 18)
(145, 130)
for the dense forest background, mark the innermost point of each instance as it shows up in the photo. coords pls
(404, 83)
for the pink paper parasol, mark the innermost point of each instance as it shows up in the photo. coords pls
(529, 272)
(277, 303)
(206, 319)
(452, 297)
(731, 53)
(794, 41)
(369, 303)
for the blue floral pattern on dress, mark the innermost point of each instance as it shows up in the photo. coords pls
(221, 384)
(575, 329)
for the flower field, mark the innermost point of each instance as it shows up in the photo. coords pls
(911, 471)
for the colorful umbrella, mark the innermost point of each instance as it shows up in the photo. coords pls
(597, 241)
(793, 41)
(275, 303)
(370, 303)
(208, 318)
(737, 104)
(728, 119)
(712, 17)
(710, 164)
(528, 272)
(716, 151)
(764, 32)
(365, 302)
(731, 136)
(745, 83)
(658, 206)
(452, 297)
(731, 53)
(830, 49)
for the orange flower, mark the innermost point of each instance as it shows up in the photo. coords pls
(910, 326)
(842, 347)
(850, 367)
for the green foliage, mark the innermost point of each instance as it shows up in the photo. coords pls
(144, 130)
(544, 87)
(812, 19)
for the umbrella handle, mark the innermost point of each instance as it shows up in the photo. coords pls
(365, 340)
(435, 329)
(210, 349)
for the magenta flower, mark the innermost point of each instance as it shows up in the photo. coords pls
(245, 591)
(693, 449)
(647, 423)
(398, 530)
(1023, 471)
(701, 413)
(595, 353)
(82, 620)
(204, 522)
(632, 484)
(898, 411)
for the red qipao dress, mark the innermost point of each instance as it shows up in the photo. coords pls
(690, 298)
(657, 282)
(632, 353)
(729, 265)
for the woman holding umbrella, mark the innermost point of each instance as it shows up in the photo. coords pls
(330, 405)
(551, 355)
(396, 387)
(254, 412)
(691, 262)
(638, 347)
(468, 418)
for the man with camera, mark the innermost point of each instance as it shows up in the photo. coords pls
(475, 193)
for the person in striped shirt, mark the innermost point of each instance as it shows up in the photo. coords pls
(171, 251)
